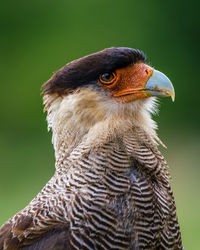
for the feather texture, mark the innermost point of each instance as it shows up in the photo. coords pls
(111, 186)
(113, 196)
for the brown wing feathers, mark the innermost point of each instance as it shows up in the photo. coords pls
(55, 239)
(18, 236)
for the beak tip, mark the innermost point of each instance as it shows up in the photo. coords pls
(173, 97)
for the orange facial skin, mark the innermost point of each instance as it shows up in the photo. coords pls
(129, 83)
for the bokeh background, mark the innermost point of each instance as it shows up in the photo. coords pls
(38, 37)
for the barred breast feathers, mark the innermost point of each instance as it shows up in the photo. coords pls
(100, 124)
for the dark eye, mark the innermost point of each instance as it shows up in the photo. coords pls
(107, 78)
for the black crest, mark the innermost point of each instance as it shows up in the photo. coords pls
(86, 70)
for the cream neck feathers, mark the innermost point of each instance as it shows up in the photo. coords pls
(86, 114)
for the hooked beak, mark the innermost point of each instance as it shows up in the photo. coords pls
(159, 85)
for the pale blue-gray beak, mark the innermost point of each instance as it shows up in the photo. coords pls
(159, 85)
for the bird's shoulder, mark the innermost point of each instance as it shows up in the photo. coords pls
(11, 232)
(56, 238)
(21, 233)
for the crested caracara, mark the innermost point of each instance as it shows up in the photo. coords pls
(111, 186)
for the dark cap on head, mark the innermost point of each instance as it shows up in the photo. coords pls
(86, 70)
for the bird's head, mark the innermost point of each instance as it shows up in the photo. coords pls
(115, 82)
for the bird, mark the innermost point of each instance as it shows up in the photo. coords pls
(111, 187)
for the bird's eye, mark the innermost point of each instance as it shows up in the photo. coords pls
(107, 78)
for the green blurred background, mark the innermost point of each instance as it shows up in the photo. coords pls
(38, 37)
